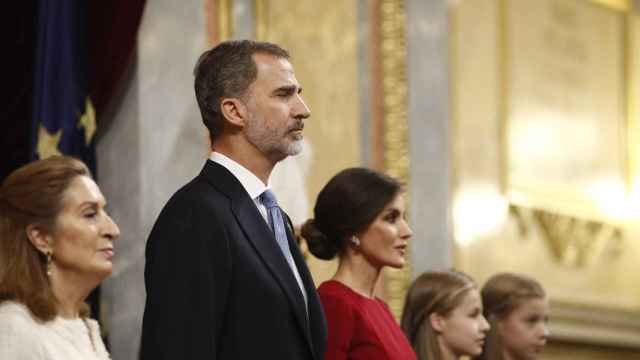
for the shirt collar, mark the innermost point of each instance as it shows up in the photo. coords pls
(249, 181)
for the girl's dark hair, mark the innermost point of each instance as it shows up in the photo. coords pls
(347, 205)
(501, 294)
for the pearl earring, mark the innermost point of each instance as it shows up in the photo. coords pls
(355, 241)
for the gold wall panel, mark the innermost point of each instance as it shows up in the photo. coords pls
(565, 114)
(219, 20)
(587, 267)
(622, 5)
(322, 40)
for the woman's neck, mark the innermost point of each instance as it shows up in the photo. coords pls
(358, 274)
(70, 291)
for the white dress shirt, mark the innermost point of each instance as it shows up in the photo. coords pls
(254, 187)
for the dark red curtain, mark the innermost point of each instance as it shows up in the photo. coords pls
(18, 29)
(113, 26)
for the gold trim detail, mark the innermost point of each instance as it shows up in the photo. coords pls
(48, 143)
(503, 97)
(224, 15)
(619, 5)
(595, 325)
(573, 242)
(631, 75)
(261, 23)
(394, 100)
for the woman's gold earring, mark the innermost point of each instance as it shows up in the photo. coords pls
(49, 255)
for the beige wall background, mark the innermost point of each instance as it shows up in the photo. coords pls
(323, 43)
(583, 263)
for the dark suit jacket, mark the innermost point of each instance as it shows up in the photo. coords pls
(218, 286)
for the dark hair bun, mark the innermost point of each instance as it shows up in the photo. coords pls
(320, 245)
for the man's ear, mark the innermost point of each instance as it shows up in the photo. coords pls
(234, 111)
(437, 321)
(39, 238)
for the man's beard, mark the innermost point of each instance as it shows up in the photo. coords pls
(274, 144)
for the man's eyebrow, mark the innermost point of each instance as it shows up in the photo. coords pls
(290, 89)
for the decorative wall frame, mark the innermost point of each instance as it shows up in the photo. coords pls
(568, 211)
(565, 107)
(556, 229)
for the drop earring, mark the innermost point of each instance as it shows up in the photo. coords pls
(49, 255)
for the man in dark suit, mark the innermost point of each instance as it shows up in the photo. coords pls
(224, 276)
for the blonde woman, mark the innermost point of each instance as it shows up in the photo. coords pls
(442, 316)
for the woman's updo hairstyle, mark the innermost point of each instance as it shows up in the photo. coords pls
(346, 206)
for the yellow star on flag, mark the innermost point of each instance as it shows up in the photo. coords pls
(48, 143)
(88, 121)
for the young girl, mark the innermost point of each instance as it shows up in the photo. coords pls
(517, 308)
(443, 318)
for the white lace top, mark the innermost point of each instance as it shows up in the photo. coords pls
(22, 337)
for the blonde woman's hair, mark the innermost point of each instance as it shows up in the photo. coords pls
(432, 292)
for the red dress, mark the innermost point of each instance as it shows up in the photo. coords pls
(360, 327)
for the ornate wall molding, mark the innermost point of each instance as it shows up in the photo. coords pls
(394, 102)
(595, 325)
(572, 241)
(219, 20)
(261, 20)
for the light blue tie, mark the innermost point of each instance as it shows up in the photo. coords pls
(276, 223)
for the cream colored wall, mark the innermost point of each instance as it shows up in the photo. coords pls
(323, 43)
(490, 238)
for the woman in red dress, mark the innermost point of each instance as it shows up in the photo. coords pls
(359, 217)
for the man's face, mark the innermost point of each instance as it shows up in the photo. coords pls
(276, 111)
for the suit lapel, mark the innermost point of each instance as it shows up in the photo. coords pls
(262, 239)
(317, 322)
(301, 264)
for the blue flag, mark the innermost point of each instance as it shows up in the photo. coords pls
(64, 120)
